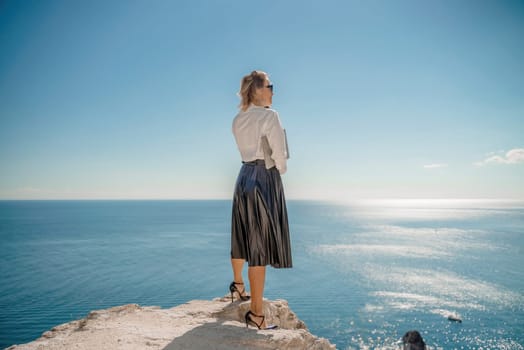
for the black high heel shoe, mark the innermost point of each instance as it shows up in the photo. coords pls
(233, 289)
(259, 325)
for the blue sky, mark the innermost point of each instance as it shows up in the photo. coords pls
(134, 99)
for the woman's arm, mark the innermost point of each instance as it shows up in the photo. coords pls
(277, 141)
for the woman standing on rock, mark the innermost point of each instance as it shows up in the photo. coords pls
(259, 230)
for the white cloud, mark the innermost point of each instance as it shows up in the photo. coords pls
(513, 156)
(433, 166)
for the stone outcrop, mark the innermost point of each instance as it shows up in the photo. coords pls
(199, 324)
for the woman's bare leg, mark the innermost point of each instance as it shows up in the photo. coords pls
(238, 265)
(257, 278)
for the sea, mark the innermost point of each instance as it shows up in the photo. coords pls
(365, 272)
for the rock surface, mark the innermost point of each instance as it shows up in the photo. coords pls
(199, 324)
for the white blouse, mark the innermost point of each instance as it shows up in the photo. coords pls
(250, 126)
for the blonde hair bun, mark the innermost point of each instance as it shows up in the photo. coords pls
(248, 85)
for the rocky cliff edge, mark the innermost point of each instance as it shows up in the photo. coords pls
(200, 324)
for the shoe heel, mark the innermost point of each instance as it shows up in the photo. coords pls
(233, 289)
(248, 319)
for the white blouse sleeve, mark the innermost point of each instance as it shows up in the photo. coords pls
(277, 141)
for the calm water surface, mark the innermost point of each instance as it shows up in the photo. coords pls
(365, 273)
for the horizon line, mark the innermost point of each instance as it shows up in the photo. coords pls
(400, 198)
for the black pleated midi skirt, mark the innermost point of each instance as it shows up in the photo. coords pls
(259, 227)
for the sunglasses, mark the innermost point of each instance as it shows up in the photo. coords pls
(270, 87)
